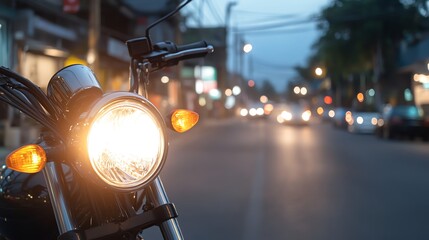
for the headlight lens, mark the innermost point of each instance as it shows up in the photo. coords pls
(126, 144)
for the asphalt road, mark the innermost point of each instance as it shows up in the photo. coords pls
(237, 179)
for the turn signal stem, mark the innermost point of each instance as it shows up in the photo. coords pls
(182, 120)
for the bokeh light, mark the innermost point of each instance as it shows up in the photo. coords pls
(251, 83)
(360, 97)
(247, 47)
(318, 71)
(165, 79)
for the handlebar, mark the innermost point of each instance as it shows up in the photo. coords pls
(164, 54)
(169, 54)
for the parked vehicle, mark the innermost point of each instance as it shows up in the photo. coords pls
(403, 121)
(94, 171)
(362, 118)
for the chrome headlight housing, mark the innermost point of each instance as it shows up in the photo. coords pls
(125, 141)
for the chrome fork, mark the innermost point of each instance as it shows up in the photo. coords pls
(55, 183)
(170, 229)
(57, 189)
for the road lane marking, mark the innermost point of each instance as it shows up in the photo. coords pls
(254, 214)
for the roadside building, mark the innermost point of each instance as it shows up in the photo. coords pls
(38, 38)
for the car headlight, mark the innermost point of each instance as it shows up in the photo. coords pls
(287, 115)
(359, 120)
(244, 112)
(380, 122)
(126, 143)
(306, 115)
(252, 112)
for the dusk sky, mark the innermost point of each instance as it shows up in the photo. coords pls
(275, 49)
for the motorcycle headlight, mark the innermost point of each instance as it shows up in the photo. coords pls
(126, 141)
(121, 135)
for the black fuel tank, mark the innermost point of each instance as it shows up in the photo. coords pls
(25, 208)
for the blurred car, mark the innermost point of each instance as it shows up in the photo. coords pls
(403, 121)
(254, 111)
(295, 114)
(339, 118)
(362, 118)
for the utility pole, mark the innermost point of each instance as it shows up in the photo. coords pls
(228, 30)
(178, 83)
(93, 35)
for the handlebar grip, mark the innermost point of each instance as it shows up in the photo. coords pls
(169, 54)
(200, 44)
(187, 54)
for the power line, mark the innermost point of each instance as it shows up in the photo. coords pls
(219, 11)
(270, 65)
(265, 13)
(277, 25)
(278, 32)
(215, 13)
(191, 14)
(266, 19)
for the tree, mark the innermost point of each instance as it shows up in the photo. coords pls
(364, 36)
(268, 90)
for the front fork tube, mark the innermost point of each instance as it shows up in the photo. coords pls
(170, 229)
(57, 189)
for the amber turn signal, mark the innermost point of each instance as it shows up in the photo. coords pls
(27, 159)
(182, 120)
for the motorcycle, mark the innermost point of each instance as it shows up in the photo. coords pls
(93, 173)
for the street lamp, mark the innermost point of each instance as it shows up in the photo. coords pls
(165, 79)
(247, 48)
(243, 49)
(318, 71)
